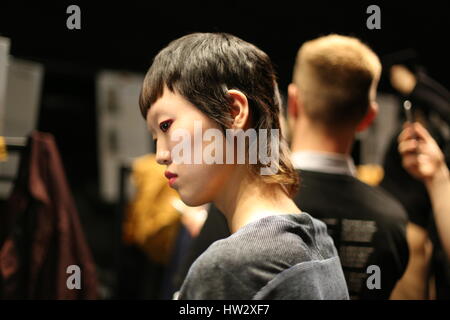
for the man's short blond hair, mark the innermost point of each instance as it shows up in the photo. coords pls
(337, 77)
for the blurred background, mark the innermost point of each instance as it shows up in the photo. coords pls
(82, 87)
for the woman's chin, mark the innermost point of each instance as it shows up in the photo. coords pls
(192, 201)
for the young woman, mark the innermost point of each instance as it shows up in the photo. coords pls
(223, 83)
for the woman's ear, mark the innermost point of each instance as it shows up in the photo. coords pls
(370, 116)
(240, 112)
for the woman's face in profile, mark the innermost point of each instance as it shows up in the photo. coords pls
(171, 115)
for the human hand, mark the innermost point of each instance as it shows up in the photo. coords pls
(421, 155)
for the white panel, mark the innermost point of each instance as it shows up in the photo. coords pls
(4, 55)
(122, 132)
(23, 95)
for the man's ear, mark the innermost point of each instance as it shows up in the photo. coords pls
(293, 103)
(370, 116)
(240, 112)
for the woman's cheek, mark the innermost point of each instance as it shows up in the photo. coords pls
(200, 183)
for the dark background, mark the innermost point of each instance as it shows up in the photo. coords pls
(126, 35)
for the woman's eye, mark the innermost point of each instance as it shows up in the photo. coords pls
(165, 125)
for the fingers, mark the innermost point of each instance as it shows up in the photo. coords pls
(409, 132)
(410, 162)
(420, 153)
(414, 131)
(422, 132)
(408, 146)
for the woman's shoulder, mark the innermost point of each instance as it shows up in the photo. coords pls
(282, 239)
(256, 254)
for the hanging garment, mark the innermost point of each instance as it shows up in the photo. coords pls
(43, 251)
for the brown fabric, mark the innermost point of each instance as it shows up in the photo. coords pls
(151, 222)
(41, 234)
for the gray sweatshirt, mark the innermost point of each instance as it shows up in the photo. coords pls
(277, 257)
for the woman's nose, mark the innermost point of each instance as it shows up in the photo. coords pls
(162, 155)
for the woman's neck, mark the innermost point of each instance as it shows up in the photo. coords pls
(245, 200)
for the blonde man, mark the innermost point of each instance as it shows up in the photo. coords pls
(331, 98)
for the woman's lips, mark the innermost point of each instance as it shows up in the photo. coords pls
(171, 176)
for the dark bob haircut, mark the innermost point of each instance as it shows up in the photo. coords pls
(202, 67)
